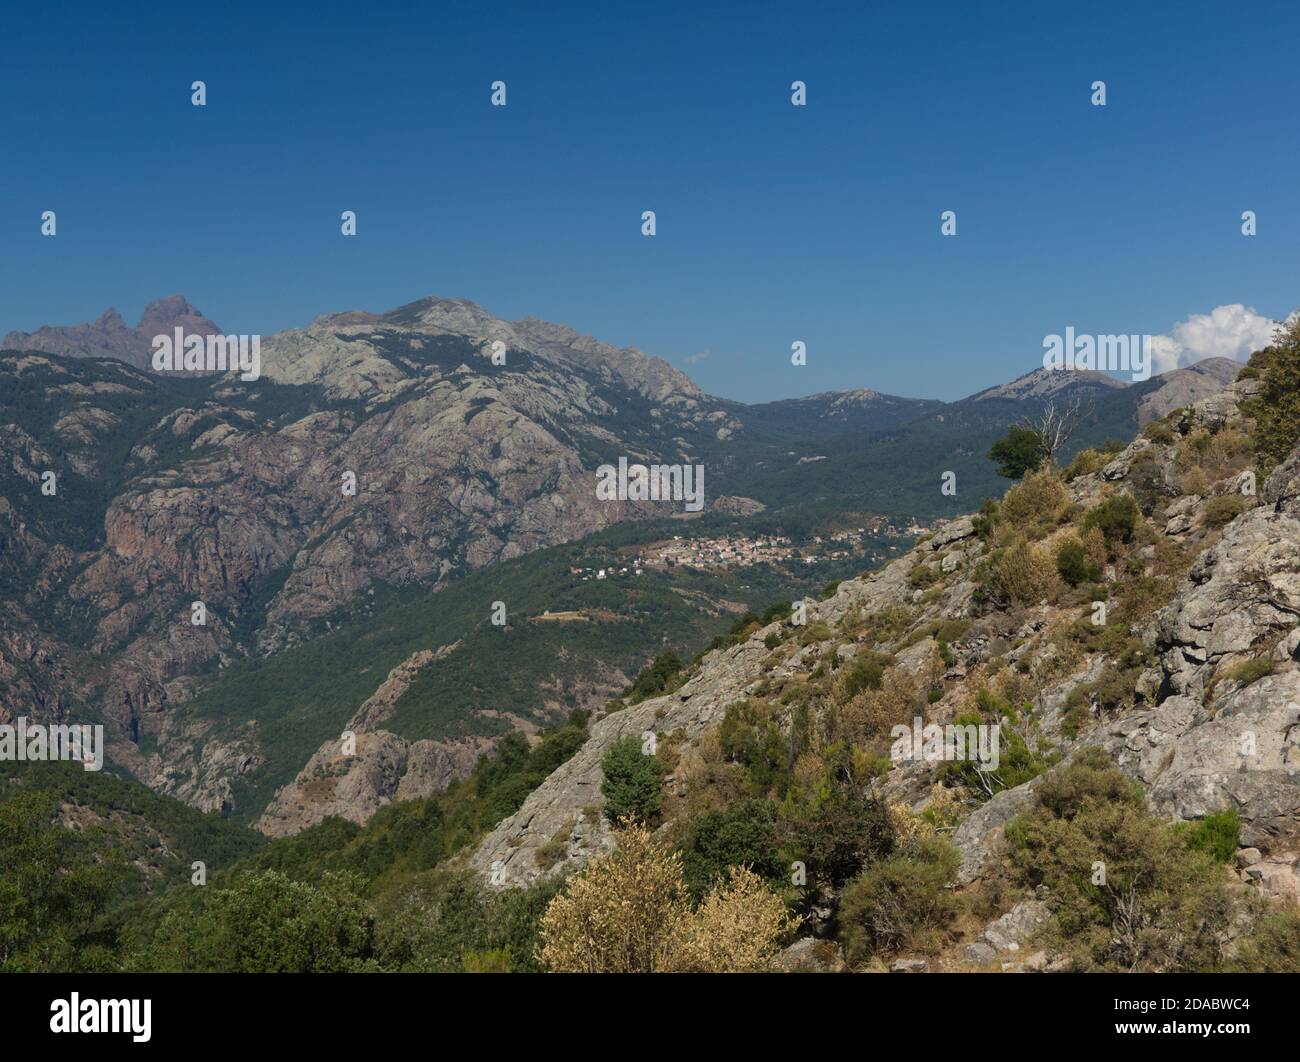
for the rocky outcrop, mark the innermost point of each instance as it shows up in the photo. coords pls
(368, 767)
(1185, 387)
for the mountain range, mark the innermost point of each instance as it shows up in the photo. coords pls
(471, 441)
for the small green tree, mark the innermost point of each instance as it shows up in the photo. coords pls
(1020, 451)
(632, 784)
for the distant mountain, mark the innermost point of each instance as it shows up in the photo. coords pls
(835, 412)
(1183, 387)
(1046, 384)
(111, 337)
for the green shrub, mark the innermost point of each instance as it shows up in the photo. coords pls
(1249, 671)
(655, 679)
(1073, 565)
(902, 902)
(266, 922)
(986, 519)
(1217, 835)
(1277, 409)
(865, 673)
(1226, 508)
(749, 738)
(1273, 946)
(921, 576)
(743, 834)
(1116, 518)
(1126, 891)
(835, 832)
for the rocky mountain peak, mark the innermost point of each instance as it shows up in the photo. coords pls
(1046, 383)
(109, 336)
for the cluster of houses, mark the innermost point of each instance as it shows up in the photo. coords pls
(739, 551)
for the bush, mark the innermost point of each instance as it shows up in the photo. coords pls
(655, 679)
(868, 715)
(618, 914)
(1116, 518)
(268, 923)
(737, 929)
(749, 738)
(1035, 502)
(628, 913)
(714, 842)
(1017, 762)
(1085, 463)
(921, 576)
(1159, 431)
(1126, 891)
(1249, 671)
(1023, 575)
(632, 784)
(1218, 835)
(902, 902)
(835, 833)
(867, 672)
(1225, 508)
(1073, 565)
(1273, 946)
(986, 519)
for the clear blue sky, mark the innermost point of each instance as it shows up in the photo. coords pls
(775, 223)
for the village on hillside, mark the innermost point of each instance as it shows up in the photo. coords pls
(739, 550)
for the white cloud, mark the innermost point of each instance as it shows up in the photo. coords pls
(1234, 331)
(692, 359)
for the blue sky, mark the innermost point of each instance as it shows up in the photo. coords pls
(775, 223)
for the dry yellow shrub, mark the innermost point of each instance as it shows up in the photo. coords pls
(628, 912)
(737, 929)
(1026, 574)
(868, 715)
(1036, 501)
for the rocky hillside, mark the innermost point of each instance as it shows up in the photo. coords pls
(1144, 602)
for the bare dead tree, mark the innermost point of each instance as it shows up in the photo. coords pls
(1058, 422)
